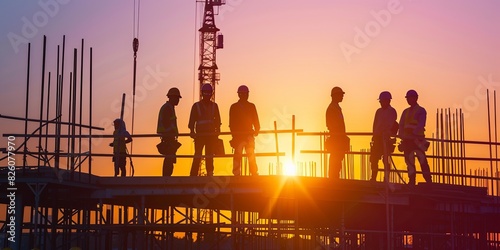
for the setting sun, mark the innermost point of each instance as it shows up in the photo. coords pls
(289, 169)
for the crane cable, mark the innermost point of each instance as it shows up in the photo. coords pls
(135, 47)
(195, 46)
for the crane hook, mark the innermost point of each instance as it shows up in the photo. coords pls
(135, 45)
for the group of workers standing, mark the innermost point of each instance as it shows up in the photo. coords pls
(410, 130)
(204, 126)
(205, 122)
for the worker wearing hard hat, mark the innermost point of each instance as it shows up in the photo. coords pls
(411, 131)
(244, 125)
(337, 142)
(204, 125)
(384, 131)
(167, 128)
(120, 137)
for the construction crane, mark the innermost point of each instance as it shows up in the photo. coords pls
(210, 40)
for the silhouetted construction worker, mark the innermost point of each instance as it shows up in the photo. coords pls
(120, 137)
(167, 128)
(244, 125)
(338, 141)
(384, 131)
(204, 125)
(411, 131)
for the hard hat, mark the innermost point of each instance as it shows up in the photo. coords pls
(336, 90)
(207, 88)
(411, 93)
(174, 92)
(385, 95)
(243, 89)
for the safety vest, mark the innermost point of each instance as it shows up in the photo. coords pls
(205, 118)
(172, 120)
(411, 122)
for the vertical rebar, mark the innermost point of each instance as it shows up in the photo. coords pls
(73, 114)
(57, 107)
(80, 117)
(459, 148)
(455, 147)
(27, 107)
(60, 80)
(450, 148)
(496, 137)
(48, 111)
(293, 139)
(462, 137)
(435, 147)
(324, 156)
(90, 116)
(68, 130)
(441, 125)
(278, 169)
(489, 140)
(44, 52)
(450, 137)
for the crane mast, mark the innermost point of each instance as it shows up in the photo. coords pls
(210, 41)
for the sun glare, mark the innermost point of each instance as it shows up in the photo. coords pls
(289, 168)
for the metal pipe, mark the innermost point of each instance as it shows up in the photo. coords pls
(61, 123)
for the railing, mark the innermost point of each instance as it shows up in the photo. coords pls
(450, 166)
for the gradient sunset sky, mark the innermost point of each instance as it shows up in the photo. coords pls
(289, 53)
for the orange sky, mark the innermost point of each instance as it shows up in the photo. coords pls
(290, 54)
